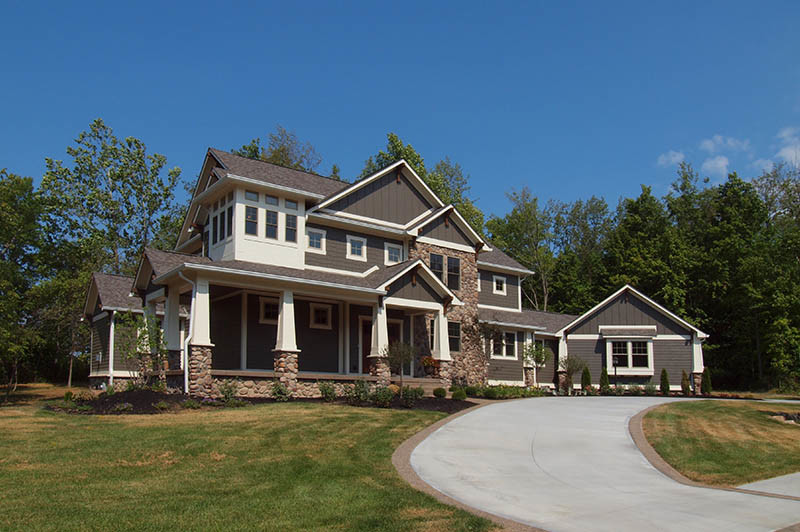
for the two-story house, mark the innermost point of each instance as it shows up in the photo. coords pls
(292, 276)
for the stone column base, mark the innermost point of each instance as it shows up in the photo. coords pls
(286, 369)
(563, 379)
(529, 377)
(200, 380)
(379, 367)
(697, 380)
(445, 373)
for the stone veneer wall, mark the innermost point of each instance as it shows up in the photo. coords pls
(470, 365)
(200, 380)
(379, 368)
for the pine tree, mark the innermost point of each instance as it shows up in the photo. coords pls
(605, 385)
(706, 383)
(664, 382)
(586, 378)
(686, 386)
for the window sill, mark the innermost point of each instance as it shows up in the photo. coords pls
(631, 372)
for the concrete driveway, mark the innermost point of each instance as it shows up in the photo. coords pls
(569, 463)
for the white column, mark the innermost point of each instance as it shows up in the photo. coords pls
(380, 330)
(201, 311)
(697, 354)
(172, 322)
(562, 351)
(286, 335)
(442, 349)
(111, 349)
(150, 320)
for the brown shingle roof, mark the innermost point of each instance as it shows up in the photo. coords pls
(277, 175)
(497, 257)
(114, 291)
(550, 322)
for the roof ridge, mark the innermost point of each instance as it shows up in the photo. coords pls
(113, 275)
(280, 166)
(549, 312)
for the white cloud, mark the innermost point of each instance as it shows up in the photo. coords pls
(716, 166)
(763, 165)
(720, 143)
(790, 145)
(670, 158)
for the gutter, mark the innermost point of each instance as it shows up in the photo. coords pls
(188, 335)
(515, 325)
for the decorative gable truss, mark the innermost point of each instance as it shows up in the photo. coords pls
(447, 228)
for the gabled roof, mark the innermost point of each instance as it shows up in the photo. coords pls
(276, 175)
(449, 210)
(543, 322)
(401, 165)
(411, 265)
(494, 258)
(113, 292)
(632, 290)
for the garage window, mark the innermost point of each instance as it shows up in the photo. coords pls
(629, 356)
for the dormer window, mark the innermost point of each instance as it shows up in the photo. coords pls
(272, 224)
(251, 221)
(291, 228)
(249, 195)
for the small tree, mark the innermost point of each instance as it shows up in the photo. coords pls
(605, 384)
(664, 382)
(705, 386)
(686, 387)
(570, 365)
(399, 354)
(536, 355)
(586, 378)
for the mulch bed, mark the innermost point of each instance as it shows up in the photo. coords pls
(145, 401)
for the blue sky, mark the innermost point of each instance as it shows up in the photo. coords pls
(568, 98)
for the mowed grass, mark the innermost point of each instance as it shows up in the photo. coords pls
(725, 443)
(291, 466)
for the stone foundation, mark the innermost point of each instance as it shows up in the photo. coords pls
(200, 380)
(697, 380)
(379, 368)
(286, 369)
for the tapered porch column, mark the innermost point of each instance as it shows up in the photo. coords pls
(442, 349)
(285, 352)
(200, 380)
(379, 363)
(171, 325)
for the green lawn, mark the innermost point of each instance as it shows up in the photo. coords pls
(267, 467)
(725, 443)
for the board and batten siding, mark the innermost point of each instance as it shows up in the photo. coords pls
(404, 288)
(593, 353)
(675, 356)
(319, 348)
(336, 250)
(449, 232)
(226, 333)
(261, 337)
(487, 296)
(547, 373)
(385, 199)
(627, 309)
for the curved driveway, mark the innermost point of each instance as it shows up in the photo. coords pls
(570, 464)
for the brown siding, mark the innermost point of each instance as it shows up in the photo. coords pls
(261, 338)
(404, 288)
(448, 232)
(627, 309)
(508, 370)
(125, 361)
(355, 312)
(319, 348)
(226, 332)
(487, 297)
(593, 353)
(100, 344)
(336, 250)
(547, 374)
(675, 355)
(385, 199)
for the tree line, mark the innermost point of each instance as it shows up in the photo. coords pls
(725, 256)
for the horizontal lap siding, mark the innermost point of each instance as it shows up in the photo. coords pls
(547, 374)
(319, 348)
(448, 232)
(336, 250)
(508, 370)
(675, 356)
(627, 309)
(487, 296)
(592, 352)
(226, 332)
(126, 361)
(100, 344)
(385, 199)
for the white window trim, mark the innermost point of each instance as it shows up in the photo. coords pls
(503, 355)
(324, 233)
(363, 256)
(386, 246)
(460, 336)
(261, 301)
(649, 370)
(287, 207)
(312, 307)
(502, 292)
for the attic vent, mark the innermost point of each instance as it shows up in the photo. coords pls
(397, 178)
(447, 221)
(414, 279)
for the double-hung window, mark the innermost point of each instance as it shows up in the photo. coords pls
(356, 248)
(272, 224)
(230, 220)
(316, 241)
(453, 273)
(629, 357)
(393, 253)
(454, 335)
(291, 228)
(437, 265)
(222, 225)
(505, 345)
(251, 221)
(214, 227)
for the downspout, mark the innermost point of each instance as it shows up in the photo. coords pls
(188, 335)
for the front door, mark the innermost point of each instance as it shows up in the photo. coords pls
(394, 328)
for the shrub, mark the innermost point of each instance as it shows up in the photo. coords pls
(130, 386)
(382, 397)
(69, 396)
(85, 396)
(686, 387)
(358, 393)
(586, 378)
(590, 391)
(207, 401)
(395, 388)
(159, 386)
(473, 391)
(280, 393)
(635, 389)
(409, 395)
(236, 403)
(228, 389)
(618, 390)
(605, 384)
(110, 391)
(161, 405)
(122, 407)
(327, 390)
(490, 392)
(439, 392)
(664, 382)
(459, 394)
(705, 384)
(190, 404)
(84, 408)
(650, 388)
